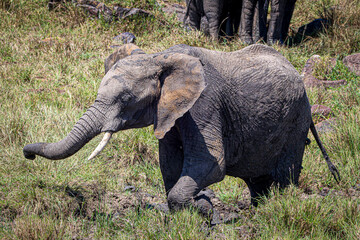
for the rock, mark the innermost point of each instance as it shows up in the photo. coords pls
(99, 9)
(352, 62)
(326, 126)
(178, 9)
(309, 65)
(129, 188)
(162, 207)
(310, 81)
(329, 84)
(320, 112)
(125, 38)
(122, 13)
(325, 191)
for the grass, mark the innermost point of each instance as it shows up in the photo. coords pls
(51, 63)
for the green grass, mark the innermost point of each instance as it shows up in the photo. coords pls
(51, 64)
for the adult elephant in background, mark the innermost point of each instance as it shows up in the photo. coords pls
(223, 16)
(248, 119)
(278, 26)
(280, 17)
(253, 13)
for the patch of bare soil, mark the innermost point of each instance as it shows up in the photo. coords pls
(352, 192)
(93, 201)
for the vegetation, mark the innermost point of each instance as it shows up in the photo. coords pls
(51, 63)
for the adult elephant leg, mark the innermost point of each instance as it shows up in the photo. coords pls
(263, 6)
(247, 19)
(260, 18)
(255, 27)
(276, 19)
(213, 10)
(195, 12)
(171, 157)
(258, 186)
(288, 12)
(203, 165)
(234, 17)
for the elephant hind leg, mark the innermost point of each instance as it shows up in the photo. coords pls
(258, 187)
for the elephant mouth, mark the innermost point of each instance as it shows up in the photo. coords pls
(105, 140)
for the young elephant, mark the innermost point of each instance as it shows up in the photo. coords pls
(247, 119)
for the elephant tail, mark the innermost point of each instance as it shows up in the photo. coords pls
(331, 166)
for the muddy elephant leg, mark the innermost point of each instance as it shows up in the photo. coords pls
(185, 193)
(203, 165)
(171, 157)
(258, 186)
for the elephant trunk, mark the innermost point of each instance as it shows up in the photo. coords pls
(88, 126)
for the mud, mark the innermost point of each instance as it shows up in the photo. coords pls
(90, 199)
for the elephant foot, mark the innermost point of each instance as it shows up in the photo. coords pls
(247, 40)
(272, 42)
(204, 206)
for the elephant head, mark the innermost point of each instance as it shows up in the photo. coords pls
(137, 91)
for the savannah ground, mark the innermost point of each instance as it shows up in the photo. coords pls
(51, 64)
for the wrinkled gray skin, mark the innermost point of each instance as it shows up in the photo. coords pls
(278, 26)
(223, 16)
(249, 18)
(248, 119)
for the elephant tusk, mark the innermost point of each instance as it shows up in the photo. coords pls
(101, 145)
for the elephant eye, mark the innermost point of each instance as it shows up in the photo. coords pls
(126, 96)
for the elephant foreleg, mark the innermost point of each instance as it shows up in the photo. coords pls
(203, 165)
(171, 157)
(186, 193)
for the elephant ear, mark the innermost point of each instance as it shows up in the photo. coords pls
(181, 83)
(120, 53)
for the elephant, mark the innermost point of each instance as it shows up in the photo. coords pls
(253, 13)
(223, 16)
(248, 119)
(278, 26)
(280, 17)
